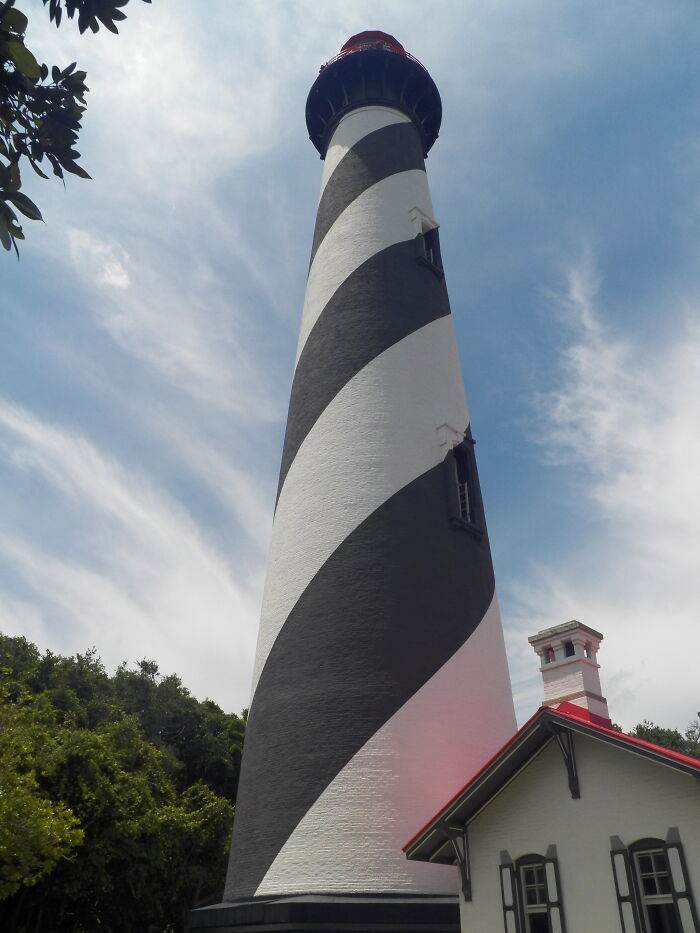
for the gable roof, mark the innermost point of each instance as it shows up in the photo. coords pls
(432, 843)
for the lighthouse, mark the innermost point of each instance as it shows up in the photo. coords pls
(380, 648)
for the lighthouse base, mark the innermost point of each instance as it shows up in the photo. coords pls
(322, 913)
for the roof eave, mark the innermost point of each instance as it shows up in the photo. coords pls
(430, 844)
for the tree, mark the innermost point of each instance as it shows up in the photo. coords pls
(40, 108)
(687, 743)
(116, 794)
(35, 831)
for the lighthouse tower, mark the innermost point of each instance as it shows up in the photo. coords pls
(380, 649)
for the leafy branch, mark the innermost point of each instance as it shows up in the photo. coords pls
(40, 108)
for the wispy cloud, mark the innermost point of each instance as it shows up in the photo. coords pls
(156, 313)
(625, 422)
(138, 575)
(182, 324)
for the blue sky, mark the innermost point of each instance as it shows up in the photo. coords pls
(148, 333)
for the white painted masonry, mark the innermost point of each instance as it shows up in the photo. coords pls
(354, 127)
(376, 436)
(378, 218)
(572, 678)
(357, 827)
(390, 424)
(622, 794)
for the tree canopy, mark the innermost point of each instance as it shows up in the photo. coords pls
(41, 108)
(118, 791)
(687, 743)
(117, 794)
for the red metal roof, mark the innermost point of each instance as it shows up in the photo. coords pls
(572, 713)
(373, 39)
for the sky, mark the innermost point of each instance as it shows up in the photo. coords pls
(148, 332)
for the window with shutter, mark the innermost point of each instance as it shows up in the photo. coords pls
(539, 893)
(652, 884)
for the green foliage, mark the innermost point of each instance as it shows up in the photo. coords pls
(35, 831)
(40, 108)
(90, 12)
(120, 795)
(687, 743)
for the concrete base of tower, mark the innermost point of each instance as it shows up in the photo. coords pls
(323, 913)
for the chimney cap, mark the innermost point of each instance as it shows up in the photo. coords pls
(564, 629)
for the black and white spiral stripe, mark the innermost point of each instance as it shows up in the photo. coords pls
(380, 646)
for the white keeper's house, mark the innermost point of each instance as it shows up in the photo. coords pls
(573, 827)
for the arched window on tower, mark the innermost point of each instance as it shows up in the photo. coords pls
(465, 486)
(431, 244)
(465, 510)
(429, 250)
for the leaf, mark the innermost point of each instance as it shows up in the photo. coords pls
(68, 70)
(15, 21)
(5, 237)
(37, 169)
(55, 73)
(23, 59)
(15, 182)
(57, 170)
(6, 210)
(73, 167)
(44, 72)
(25, 205)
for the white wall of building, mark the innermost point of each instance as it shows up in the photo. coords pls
(622, 795)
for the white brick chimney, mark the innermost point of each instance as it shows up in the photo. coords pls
(569, 667)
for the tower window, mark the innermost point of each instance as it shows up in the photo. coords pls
(429, 250)
(569, 649)
(432, 247)
(589, 651)
(548, 655)
(465, 492)
(463, 489)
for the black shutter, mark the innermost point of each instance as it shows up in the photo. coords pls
(622, 873)
(682, 895)
(509, 894)
(450, 468)
(554, 903)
